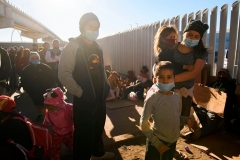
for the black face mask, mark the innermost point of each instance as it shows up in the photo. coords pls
(222, 79)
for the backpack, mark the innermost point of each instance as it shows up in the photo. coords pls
(41, 140)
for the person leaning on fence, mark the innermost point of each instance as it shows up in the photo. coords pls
(12, 129)
(163, 107)
(5, 68)
(82, 72)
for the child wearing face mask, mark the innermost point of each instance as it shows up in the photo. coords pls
(190, 54)
(165, 41)
(163, 107)
(59, 116)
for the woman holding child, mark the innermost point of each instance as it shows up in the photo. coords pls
(188, 58)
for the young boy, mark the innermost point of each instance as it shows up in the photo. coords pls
(163, 106)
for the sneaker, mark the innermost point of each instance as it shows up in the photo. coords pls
(107, 155)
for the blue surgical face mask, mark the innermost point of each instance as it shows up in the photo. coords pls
(190, 43)
(165, 87)
(92, 35)
(35, 62)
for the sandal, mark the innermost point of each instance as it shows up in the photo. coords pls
(179, 155)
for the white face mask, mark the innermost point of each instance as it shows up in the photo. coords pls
(92, 35)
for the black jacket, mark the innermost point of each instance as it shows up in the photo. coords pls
(37, 78)
(5, 66)
(88, 98)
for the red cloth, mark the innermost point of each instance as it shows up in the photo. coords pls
(62, 120)
(7, 104)
(57, 141)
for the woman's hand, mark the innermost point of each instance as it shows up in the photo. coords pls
(188, 67)
(163, 148)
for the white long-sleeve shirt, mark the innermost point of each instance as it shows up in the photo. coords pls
(165, 111)
(49, 58)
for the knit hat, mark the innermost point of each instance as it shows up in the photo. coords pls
(144, 69)
(196, 25)
(224, 70)
(85, 19)
(54, 96)
(33, 54)
(7, 104)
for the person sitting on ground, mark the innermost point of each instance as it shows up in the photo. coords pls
(144, 72)
(12, 129)
(59, 115)
(228, 85)
(36, 79)
(210, 121)
(163, 133)
(142, 83)
(130, 78)
(114, 86)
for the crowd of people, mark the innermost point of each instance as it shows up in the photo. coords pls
(79, 67)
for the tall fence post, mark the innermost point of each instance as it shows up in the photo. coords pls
(163, 22)
(212, 40)
(184, 23)
(233, 38)
(222, 37)
(205, 20)
(198, 15)
(177, 24)
(172, 21)
(190, 16)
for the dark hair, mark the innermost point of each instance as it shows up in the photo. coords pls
(200, 48)
(144, 69)
(45, 43)
(162, 65)
(34, 44)
(162, 32)
(26, 52)
(56, 40)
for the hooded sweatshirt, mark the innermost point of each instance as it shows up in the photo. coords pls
(61, 120)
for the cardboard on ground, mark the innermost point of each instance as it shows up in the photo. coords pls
(210, 99)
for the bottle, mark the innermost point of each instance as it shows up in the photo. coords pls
(186, 148)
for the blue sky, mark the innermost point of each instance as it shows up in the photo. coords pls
(62, 16)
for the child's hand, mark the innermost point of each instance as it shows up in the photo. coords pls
(188, 67)
(162, 148)
(190, 123)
